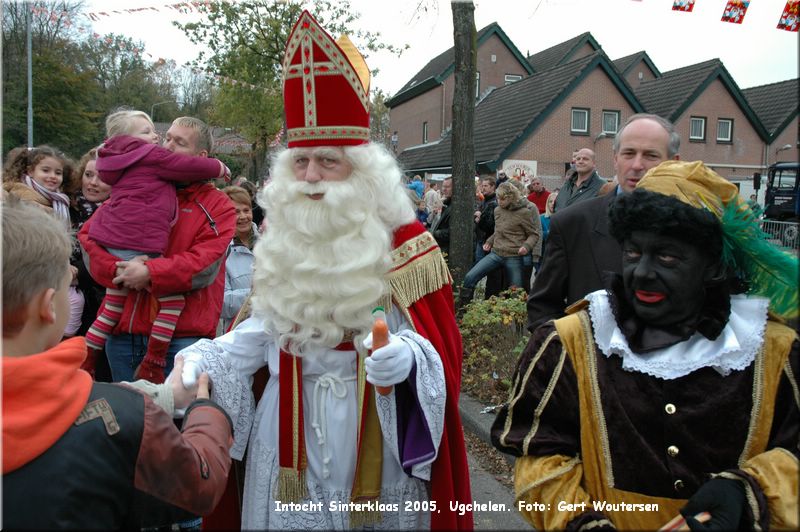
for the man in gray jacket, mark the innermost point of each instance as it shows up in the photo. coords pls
(583, 185)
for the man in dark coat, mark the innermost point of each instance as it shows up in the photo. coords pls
(579, 246)
(440, 229)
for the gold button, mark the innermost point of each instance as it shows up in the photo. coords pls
(673, 451)
(678, 485)
(670, 408)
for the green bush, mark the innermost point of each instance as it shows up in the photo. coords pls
(494, 335)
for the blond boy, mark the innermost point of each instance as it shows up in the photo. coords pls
(78, 454)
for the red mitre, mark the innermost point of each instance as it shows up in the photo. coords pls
(325, 88)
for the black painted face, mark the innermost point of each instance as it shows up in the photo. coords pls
(664, 277)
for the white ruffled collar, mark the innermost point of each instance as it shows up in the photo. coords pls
(734, 349)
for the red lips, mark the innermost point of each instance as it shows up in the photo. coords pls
(649, 297)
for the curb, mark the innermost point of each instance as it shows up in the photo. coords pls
(477, 422)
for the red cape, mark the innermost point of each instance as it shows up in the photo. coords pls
(434, 318)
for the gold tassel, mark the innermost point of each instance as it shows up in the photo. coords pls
(419, 278)
(362, 518)
(291, 485)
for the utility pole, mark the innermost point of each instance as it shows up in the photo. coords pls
(30, 73)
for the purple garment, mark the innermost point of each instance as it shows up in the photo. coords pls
(143, 206)
(413, 433)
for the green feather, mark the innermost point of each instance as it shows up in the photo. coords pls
(771, 271)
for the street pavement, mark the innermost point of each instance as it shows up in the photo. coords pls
(498, 512)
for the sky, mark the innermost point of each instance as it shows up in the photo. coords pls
(755, 52)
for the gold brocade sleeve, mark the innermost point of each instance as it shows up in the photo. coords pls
(777, 472)
(549, 492)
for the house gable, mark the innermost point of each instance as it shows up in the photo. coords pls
(637, 68)
(670, 95)
(443, 65)
(500, 127)
(775, 104)
(565, 52)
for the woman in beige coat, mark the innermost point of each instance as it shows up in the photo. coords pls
(515, 235)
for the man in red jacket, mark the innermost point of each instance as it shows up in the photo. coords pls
(193, 263)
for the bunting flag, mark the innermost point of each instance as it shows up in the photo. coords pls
(735, 11)
(683, 5)
(790, 18)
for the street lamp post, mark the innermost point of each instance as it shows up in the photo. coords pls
(152, 107)
(601, 135)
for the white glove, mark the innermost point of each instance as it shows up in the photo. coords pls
(193, 366)
(388, 365)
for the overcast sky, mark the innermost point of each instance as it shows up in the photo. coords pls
(755, 52)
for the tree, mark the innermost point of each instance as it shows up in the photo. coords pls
(379, 119)
(463, 148)
(63, 97)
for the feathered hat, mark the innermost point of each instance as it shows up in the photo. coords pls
(325, 88)
(770, 271)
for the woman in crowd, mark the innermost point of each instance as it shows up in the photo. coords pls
(91, 192)
(239, 264)
(515, 235)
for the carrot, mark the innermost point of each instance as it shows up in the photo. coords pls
(380, 338)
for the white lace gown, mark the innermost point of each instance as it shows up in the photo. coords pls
(330, 413)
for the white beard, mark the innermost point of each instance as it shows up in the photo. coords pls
(321, 264)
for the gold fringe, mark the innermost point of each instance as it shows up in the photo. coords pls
(362, 518)
(291, 485)
(418, 278)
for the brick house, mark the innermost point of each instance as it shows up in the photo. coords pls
(576, 97)
(712, 116)
(776, 105)
(422, 109)
(568, 105)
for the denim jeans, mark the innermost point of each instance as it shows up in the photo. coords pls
(126, 351)
(479, 252)
(491, 262)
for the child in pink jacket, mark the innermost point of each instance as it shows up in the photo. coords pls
(136, 220)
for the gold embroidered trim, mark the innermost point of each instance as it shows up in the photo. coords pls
(295, 417)
(591, 361)
(522, 382)
(548, 392)
(563, 470)
(787, 453)
(787, 370)
(418, 277)
(594, 524)
(335, 54)
(328, 132)
(412, 248)
(309, 85)
(755, 413)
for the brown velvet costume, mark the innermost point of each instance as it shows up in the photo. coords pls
(587, 430)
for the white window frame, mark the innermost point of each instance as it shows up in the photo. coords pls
(576, 111)
(477, 85)
(616, 115)
(701, 120)
(424, 132)
(512, 78)
(729, 122)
